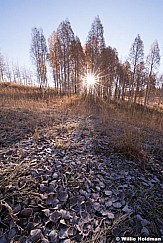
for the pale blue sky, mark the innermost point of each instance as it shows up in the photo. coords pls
(122, 21)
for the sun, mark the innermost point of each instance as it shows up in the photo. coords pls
(90, 80)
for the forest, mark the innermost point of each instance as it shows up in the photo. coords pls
(137, 80)
(81, 142)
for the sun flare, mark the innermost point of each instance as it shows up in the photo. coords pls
(90, 80)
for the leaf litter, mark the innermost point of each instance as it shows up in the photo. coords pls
(68, 192)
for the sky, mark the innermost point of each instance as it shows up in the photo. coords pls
(122, 20)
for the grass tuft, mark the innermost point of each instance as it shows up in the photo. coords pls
(129, 145)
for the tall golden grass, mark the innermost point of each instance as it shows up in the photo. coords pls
(129, 130)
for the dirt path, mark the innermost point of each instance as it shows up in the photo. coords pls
(65, 184)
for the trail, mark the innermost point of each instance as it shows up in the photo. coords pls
(65, 184)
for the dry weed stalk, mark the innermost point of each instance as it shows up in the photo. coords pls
(104, 233)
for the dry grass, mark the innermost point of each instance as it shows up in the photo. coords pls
(136, 136)
(25, 112)
(35, 109)
(19, 96)
(129, 145)
(28, 109)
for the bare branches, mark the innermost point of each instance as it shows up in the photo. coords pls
(152, 63)
(39, 55)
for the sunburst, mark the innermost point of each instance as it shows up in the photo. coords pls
(90, 80)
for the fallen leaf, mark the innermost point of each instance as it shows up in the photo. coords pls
(27, 212)
(108, 204)
(53, 236)
(46, 212)
(117, 205)
(110, 215)
(126, 209)
(145, 231)
(63, 233)
(62, 196)
(108, 193)
(36, 235)
(55, 216)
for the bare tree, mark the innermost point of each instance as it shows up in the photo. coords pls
(17, 78)
(8, 72)
(152, 62)
(109, 68)
(136, 58)
(78, 61)
(2, 68)
(94, 50)
(39, 55)
(66, 38)
(55, 59)
(124, 79)
(95, 45)
(139, 82)
(26, 76)
(160, 90)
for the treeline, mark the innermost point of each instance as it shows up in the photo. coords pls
(136, 80)
(14, 73)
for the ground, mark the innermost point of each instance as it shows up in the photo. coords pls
(73, 176)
